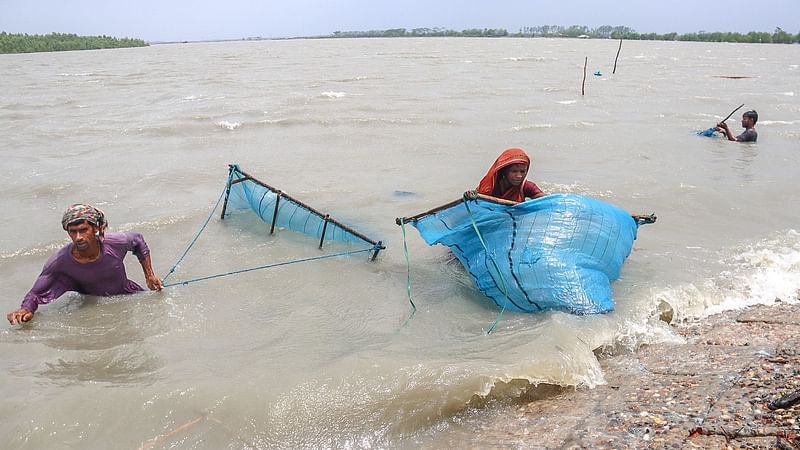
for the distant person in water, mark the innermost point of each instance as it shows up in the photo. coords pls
(749, 120)
(506, 178)
(91, 264)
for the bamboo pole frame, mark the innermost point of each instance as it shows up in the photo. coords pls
(247, 177)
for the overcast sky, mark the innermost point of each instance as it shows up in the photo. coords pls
(179, 20)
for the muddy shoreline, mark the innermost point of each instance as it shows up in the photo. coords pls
(713, 391)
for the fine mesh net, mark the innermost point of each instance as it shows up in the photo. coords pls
(557, 252)
(247, 192)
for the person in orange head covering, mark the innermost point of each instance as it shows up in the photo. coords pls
(506, 178)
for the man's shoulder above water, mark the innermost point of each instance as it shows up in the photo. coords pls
(117, 237)
(749, 135)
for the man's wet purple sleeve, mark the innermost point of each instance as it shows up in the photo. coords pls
(48, 287)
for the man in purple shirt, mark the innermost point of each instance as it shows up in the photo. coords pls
(91, 264)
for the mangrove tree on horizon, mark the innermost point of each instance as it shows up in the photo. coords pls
(58, 42)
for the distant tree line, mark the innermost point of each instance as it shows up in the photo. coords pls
(604, 32)
(57, 42)
(608, 32)
(423, 32)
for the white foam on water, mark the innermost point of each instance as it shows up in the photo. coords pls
(356, 78)
(760, 273)
(574, 188)
(273, 121)
(33, 251)
(332, 94)
(764, 272)
(533, 126)
(229, 125)
(777, 122)
(152, 225)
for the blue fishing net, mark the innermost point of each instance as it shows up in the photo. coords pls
(249, 193)
(281, 211)
(557, 252)
(708, 132)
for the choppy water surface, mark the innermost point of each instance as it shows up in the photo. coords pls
(315, 354)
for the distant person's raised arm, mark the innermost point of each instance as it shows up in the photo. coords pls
(722, 127)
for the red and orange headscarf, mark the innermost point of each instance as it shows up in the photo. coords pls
(508, 157)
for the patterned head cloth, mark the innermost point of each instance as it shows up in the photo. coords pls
(82, 211)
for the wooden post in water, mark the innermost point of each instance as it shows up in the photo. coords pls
(583, 85)
(615, 59)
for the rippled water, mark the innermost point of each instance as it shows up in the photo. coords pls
(319, 354)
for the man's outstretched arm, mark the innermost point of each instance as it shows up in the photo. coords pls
(153, 282)
(47, 287)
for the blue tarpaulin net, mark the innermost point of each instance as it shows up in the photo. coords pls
(558, 252)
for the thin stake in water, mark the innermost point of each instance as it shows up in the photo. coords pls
(615, 59)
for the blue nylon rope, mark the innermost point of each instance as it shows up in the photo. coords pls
(496, 267)
(408, 269)
(268, 266)
(208, 219)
